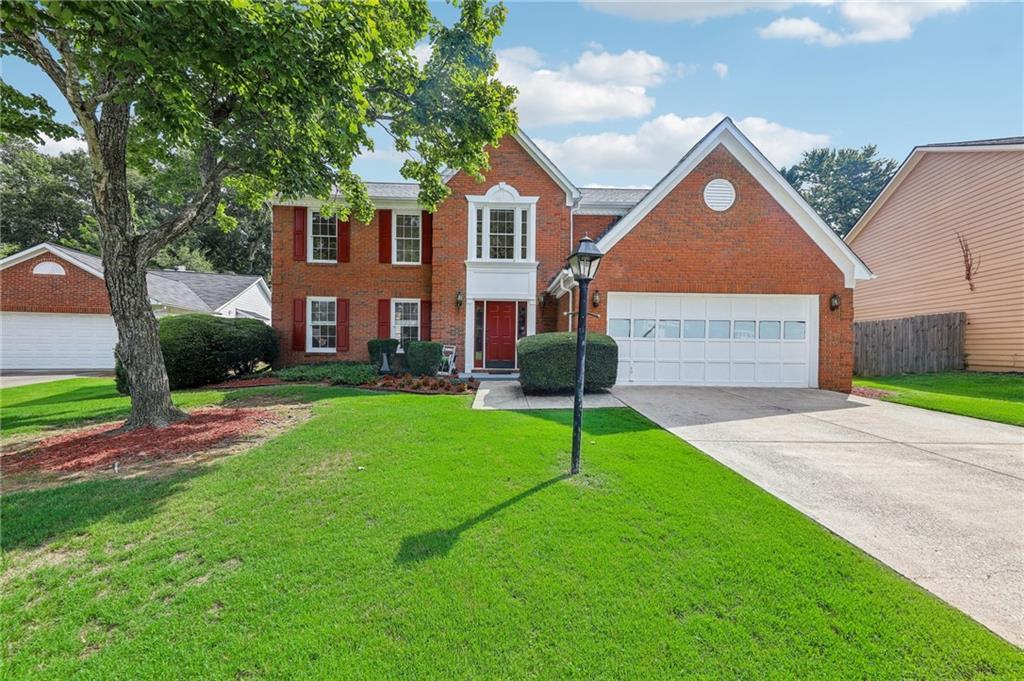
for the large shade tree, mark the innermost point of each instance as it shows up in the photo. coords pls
(264, 96)
(840, 184)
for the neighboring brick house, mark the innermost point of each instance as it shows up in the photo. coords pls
(719, 275)
(55, 311)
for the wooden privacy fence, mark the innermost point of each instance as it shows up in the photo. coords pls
(909, 345)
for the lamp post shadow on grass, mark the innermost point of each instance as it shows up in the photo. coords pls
(436, 543)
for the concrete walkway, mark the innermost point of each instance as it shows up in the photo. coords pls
(509, 395)
(14, 379)
(938, 497)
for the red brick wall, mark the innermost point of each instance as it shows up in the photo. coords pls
(509, 163)
(362, 281)
(76, 292)
(754, 247)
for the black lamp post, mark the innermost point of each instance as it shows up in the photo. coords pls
(583, 264)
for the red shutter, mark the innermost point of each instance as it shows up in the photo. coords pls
(299, 233)
(384, 318)
(428, 237)
(384, 232)
(342, 322)
(344, 240)
(299, 324)
(425, 320)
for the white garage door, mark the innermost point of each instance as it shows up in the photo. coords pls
(691, 339)
(56, 341)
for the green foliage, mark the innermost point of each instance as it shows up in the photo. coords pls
(336, 373)
(423, 358)
(377, 347)
(283, 94)
(201, 349)
(547, 362)
(840, 184)
(182, 254)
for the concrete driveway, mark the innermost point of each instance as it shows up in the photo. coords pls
(938, 497)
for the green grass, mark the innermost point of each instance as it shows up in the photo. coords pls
(58, 404)
(403, 536)
(994, 397)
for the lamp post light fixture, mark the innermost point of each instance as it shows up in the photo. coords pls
(583, 265)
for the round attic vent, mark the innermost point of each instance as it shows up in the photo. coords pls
(719, 194)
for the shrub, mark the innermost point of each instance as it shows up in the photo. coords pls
(423, 358)
(378, 346)
(338, 373)
(200, 349)
(547, 362)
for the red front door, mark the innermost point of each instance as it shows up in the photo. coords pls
(500, 345)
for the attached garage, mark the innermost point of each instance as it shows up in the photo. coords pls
(31, 340)
(741, 340)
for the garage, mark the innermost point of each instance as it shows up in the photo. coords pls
(33, 340)
(717, 340)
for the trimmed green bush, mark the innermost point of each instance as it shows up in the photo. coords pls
(547, 362)
(423, 358)
(337, 373)
(200, 349)
(378, 346)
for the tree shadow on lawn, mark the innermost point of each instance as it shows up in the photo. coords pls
(36, 517)
(435, 543)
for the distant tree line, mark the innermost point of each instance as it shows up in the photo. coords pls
(840, 184)
(49, 198)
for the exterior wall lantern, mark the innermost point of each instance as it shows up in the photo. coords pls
(596, 298)
(834, 302)
(459, 300)
(583, 265)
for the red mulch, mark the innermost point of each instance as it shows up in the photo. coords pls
(99, 446)
(873, 393)
(247, 382)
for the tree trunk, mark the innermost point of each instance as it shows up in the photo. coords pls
(124, 265)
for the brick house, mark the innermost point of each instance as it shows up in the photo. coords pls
(55, 311)
(718, 275)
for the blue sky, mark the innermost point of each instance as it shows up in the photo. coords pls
(617, 92)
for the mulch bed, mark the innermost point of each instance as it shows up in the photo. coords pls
(873, 393)
(101, 446)
(258, 382)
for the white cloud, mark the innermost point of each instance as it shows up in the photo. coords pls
(669, 11)
(721, 69)
(659, 143)
(422, 52)
(600, 85)
(52, 147)
(864, 22)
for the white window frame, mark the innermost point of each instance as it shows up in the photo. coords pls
(309, 323)
(395, 329)
(503, 197)
(309, 238)
(394, 237)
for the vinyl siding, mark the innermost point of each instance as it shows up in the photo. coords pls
(911, 245)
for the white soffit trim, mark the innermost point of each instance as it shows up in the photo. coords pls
(728, 135)
(904, 171)
(39, 249)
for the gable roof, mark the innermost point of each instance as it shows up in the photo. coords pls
(915, 156)
(608, 200)
(750, 157)
(195, 291)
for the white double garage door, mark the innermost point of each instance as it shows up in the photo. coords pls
(715, 340)
(30, 340)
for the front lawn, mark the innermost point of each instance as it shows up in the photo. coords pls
(994, 397)
(403, 536)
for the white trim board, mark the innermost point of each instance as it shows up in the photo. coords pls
(904, 171)
(742, 149)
